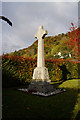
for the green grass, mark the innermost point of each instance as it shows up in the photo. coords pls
(17, 104)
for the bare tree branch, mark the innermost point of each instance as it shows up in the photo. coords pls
(6, 19)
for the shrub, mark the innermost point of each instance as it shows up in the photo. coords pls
(19, 70)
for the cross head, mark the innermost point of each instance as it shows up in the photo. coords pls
(41, 33)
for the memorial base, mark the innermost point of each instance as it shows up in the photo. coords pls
(40, 86)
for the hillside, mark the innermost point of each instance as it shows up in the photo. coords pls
(54, 47)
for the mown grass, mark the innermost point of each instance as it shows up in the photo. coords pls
(21, 105)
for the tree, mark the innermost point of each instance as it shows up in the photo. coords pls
(74, 39)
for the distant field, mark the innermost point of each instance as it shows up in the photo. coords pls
(20, 105)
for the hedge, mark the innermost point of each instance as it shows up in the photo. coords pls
(18, 70)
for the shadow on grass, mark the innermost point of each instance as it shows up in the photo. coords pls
(20, 105)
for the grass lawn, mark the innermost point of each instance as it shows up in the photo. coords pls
(21, 105)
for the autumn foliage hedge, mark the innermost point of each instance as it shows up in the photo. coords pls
(19, 70)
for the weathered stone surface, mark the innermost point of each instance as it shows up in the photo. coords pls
(41, 73)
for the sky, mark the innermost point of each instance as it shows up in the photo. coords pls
(28, 16)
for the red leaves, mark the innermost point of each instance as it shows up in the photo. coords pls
(72, 24)
(32, 90)
(74, 36)
(17, 58)
(67, 43)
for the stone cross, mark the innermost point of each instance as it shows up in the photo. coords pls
(40, 72)
(40, 36)
(40, 80)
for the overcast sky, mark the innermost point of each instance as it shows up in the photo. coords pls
(28, 16)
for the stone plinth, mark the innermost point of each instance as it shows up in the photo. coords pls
(43, 87)
(41, 74)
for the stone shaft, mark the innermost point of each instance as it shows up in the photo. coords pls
(40, 61)
(40, 35)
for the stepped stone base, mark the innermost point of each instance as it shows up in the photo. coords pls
(43, 87)
(40, 81)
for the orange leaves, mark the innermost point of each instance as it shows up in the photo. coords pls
(22, 68)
